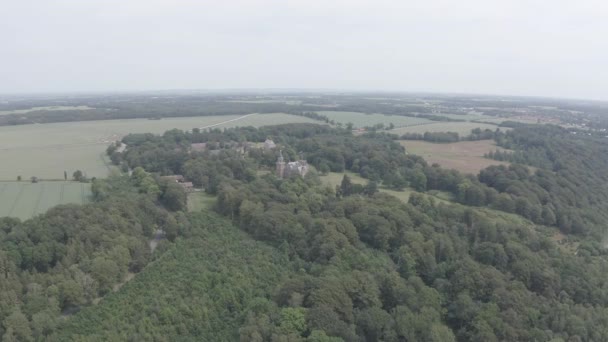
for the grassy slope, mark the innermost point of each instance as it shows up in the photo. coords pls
(199, 290)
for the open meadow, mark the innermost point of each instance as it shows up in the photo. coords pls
(464, 156)
(26, 199)
(360, 120)
(47, 150)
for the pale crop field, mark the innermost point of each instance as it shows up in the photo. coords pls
(50, 108)
(26, 199)
(360, 120)
(462, 128)
(47, 150)
(464, 156)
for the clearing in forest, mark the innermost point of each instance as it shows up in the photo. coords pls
(200, 200)
(464, 156)
(334, 179)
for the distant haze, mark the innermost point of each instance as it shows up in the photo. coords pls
(546, 48)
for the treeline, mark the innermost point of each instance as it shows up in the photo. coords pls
(450, 137)
(314, 116)
(437, 137)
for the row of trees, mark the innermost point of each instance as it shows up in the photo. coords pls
(450, 137)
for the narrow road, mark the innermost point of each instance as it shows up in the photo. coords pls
(223, 122)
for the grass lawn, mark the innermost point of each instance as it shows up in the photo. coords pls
(200, 200)
(335, 178)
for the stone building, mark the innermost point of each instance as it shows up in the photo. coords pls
(285, 170)
(269, 144)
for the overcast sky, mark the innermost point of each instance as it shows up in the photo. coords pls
(548, 48)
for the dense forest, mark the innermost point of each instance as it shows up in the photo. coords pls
(297, 260)
(488, 275)
(72, 256)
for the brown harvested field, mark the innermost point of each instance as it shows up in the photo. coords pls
(464, 156)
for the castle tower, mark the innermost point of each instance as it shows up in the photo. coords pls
(280, 165)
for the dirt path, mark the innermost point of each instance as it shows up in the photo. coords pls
(158, 235)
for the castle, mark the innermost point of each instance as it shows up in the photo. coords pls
(285, 170)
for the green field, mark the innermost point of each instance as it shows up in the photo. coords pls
(25, 199)
(47, 150)
(362, 120)
(462, 128)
